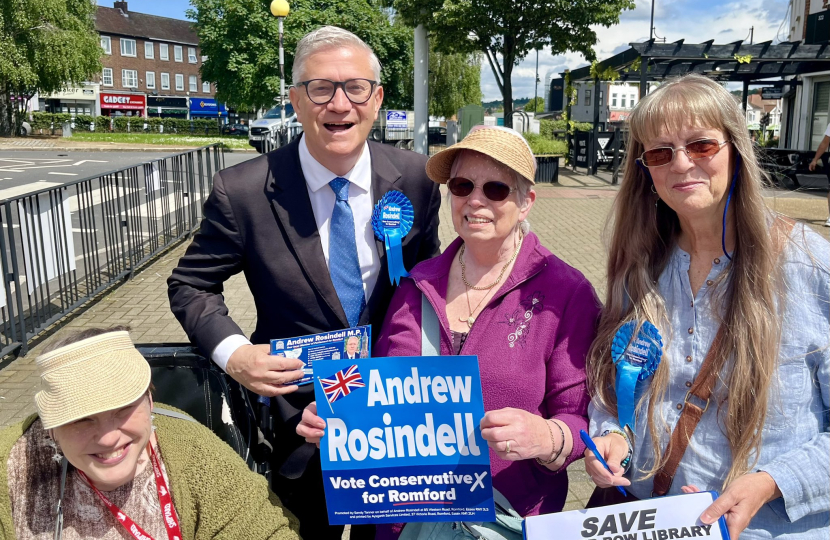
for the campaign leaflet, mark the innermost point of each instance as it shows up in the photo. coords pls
(341, 344)
(661, 518)
(402, 440)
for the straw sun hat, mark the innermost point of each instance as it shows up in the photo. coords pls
(94, 375)
(502, 144)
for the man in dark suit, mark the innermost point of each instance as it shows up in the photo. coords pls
(278, 218)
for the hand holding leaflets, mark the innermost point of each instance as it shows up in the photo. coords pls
(256, 370)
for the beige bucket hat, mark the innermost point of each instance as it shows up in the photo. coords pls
(500, 143)
(97, 374)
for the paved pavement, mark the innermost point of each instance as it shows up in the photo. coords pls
(569, 218)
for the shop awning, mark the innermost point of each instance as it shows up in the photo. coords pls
(207, 107)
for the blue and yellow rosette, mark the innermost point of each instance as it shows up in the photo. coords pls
(636, 359)
(391, 221)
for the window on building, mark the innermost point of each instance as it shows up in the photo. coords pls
(149, 50)
(622, 102)
(165, 81)
(150, 79)
(631, 99)
(106, 44)
(106, 78)
(129, 78)
(179, 81)
(127, 47)
(163, 52)
(177, 53)
(191, 55)
(205, 87)
(587, 97)
(193, 84)
(613, 100)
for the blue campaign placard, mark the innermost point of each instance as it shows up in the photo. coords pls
(402, 441)
(349, 343)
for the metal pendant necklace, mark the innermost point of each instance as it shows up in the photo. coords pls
(471, 319)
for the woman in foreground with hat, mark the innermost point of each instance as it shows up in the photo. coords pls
(500, 295)
(97, 461)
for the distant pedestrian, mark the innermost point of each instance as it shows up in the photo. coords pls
(822, 148)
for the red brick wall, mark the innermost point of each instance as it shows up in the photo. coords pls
(142, 65)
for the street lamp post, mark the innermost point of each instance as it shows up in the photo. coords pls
(279, 9)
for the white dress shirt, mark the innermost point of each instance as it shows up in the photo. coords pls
(317, 178)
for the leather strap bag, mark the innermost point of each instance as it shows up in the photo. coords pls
(701, 389)
(693, 410)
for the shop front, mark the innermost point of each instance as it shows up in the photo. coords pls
(75, 101)
(123, 104)
(207, 108)
(167, 107)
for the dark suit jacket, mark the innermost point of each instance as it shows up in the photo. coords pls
(258, 220)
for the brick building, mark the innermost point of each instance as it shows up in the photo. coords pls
(151, 66)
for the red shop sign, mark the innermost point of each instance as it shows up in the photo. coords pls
(133, 102)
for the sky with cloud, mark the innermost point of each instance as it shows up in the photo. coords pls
(693, 20)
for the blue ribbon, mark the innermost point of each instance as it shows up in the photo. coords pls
(391, 221)
(636, 360)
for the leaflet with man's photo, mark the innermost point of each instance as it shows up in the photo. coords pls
(349, 343)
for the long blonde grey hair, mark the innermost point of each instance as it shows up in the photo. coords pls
(643, 238)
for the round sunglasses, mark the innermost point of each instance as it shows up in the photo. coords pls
(658, 157)
(493, 190)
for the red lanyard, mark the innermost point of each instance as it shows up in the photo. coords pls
(171, 522)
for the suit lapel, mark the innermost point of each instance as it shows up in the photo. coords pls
(384, 176)
(289, 199)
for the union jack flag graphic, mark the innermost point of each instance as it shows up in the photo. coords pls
(342, 383)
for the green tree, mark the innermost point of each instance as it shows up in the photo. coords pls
(506, 30)
(455, 81)
(241, 40)
(44, 45)
(535, 105)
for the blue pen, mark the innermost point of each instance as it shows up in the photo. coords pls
(593, 448)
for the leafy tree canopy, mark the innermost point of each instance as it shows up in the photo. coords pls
(455, 81)
(44, 46)
(241, 40)
(507, 30)
(536, 105)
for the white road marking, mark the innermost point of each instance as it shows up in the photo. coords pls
(65, 173)
(89, 161)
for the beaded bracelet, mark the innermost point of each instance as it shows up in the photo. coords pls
(627, 461)
(554, 455)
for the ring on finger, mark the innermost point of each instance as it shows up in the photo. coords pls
(508, 447)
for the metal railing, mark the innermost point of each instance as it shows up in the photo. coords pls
(62, 246)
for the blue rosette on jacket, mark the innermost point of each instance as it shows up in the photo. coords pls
(636, 360)
(392, 220)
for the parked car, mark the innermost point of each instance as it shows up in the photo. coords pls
(437, 135)
(267, 128)
(240, 130)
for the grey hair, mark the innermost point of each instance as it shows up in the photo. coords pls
(329, 37)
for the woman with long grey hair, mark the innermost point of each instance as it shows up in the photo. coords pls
(741, 298)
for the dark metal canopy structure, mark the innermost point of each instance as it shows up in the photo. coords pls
(737, 62)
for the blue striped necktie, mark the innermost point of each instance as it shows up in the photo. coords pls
(344, 265)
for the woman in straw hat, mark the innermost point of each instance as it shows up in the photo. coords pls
(500, 295)
(97, 461)
(741, 297)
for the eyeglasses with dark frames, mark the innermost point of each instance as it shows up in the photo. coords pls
(663, 155)
(321, 91)
(493, 190)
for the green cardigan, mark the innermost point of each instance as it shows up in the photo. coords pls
(215, 494)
